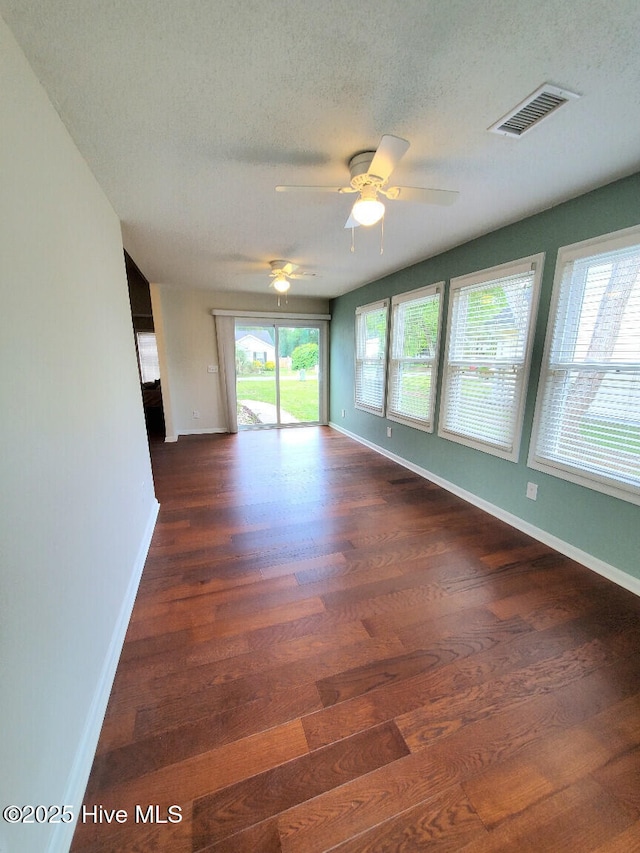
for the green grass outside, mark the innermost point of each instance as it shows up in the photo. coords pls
(413, 391)
(603, 434)
(299, 398)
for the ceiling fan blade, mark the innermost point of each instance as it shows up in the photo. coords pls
(422, 195)
(294, 189)
(301, 274)
(388, 154)
(351, 222)
(288, 268)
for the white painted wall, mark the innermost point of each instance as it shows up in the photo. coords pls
(77, 502)
(185, 331)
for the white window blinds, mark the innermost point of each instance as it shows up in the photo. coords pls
(587, 422)
(148, 356)
(371, 354)
(487, 356)
(415, 324)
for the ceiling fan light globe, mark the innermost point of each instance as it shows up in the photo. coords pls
(368, 211)
(281, 284)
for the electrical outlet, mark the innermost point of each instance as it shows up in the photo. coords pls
(195, 413)
(344, 412)
(389, 430)
(212, 368)
(532, 491)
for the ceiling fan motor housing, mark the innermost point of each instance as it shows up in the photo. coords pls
(359, 170)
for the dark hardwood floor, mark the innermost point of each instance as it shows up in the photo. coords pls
(330, 653)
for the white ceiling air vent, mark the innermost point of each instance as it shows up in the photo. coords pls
(532, 110)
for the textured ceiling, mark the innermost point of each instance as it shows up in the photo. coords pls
(190, 113)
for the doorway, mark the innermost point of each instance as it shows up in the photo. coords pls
(280, 373)
(147, 351)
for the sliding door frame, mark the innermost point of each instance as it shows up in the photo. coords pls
(290, 321)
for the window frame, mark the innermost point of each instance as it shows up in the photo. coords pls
(425, 424)
(531, 263)
(361, 359)
(593, 247)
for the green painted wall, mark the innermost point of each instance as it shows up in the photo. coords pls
(604, 527)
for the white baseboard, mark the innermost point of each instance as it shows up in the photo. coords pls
(60, 840)
(583, 557)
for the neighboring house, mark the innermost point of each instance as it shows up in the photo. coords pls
(257, 344)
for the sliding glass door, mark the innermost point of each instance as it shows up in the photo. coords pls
(279, 373)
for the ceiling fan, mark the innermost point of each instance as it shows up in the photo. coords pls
(282, 272)
(370, 172)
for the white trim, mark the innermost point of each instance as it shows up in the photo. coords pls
(535, 265)
(623, 579)
(611, 242)
(532, 263)
(362, 311)
(420, 293)
(423, 426)
(593, 481)
(564, 470)
(60, 840)
(380, 305)
(271, 315)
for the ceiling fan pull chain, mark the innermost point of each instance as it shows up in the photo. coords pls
(353, 239)
(382, 235)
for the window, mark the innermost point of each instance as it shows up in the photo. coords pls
(415, 325)
(587, 420)
(489, 340)
(371, 354)
(148, 356)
